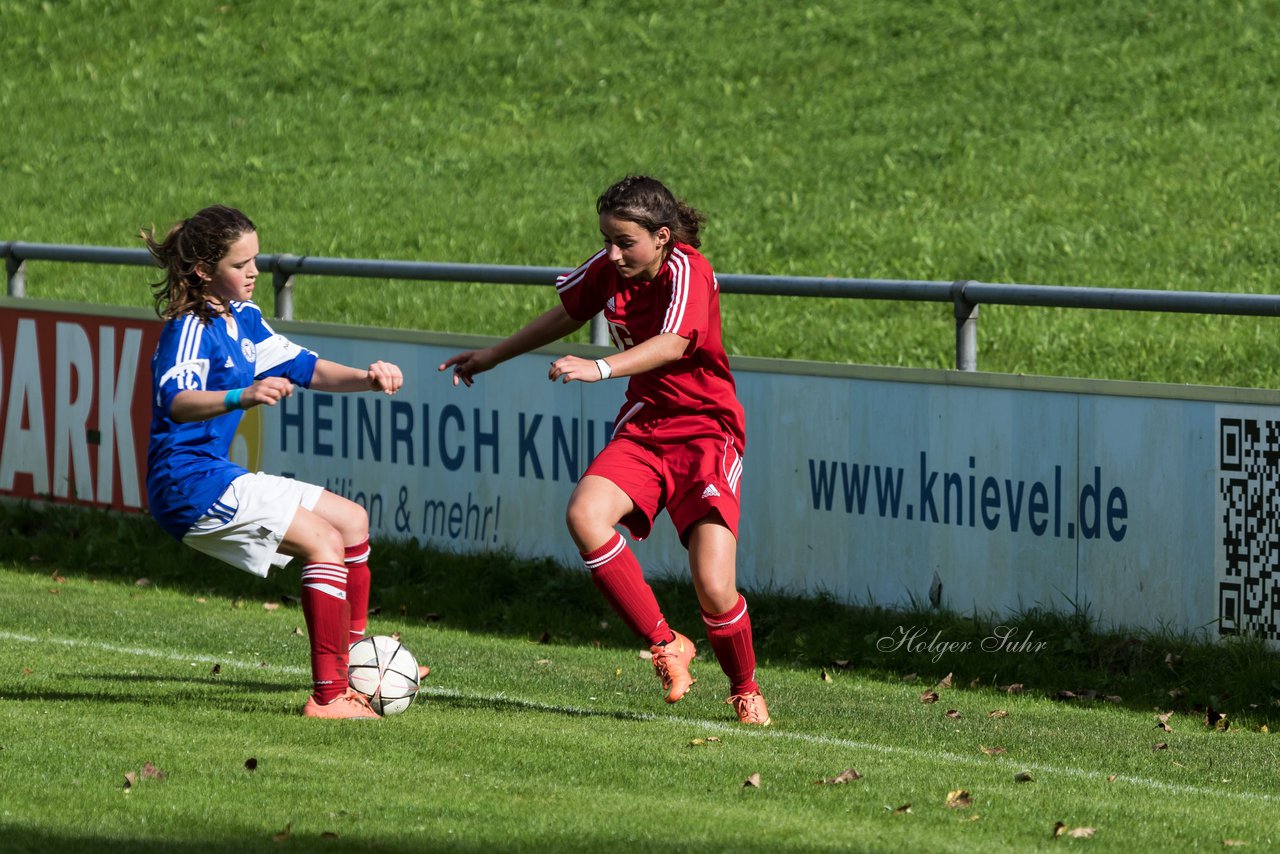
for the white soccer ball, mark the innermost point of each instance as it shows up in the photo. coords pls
(383, 669)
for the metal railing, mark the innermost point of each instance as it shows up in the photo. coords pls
(965, 295)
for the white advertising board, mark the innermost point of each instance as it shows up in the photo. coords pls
(1151, 506)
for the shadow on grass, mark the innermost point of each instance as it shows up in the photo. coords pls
(1065, 656)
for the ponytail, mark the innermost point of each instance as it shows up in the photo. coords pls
(648, 203)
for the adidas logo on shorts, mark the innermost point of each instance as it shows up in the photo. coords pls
(711, 491)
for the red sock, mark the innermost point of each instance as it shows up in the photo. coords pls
(617, 575)
(324, 604)
(357, 560)
(730, 636)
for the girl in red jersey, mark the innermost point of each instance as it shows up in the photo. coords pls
(678, 440)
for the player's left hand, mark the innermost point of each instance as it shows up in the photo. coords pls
(384, 376)
(568, 368)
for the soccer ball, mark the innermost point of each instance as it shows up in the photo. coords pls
(383, 669)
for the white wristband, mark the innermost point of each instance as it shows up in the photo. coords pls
(605, 370)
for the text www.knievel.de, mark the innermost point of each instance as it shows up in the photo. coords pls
(972, 498)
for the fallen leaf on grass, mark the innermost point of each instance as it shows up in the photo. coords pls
(1231, 843)
(752, 782)
(645, 655)
(151, 772)
(1215, 720)
(997, 713)
(842, 663)
(55, 591)
(909, 677)
(944, 683)
(284, 834)
(270, 606)
(905, 808)
(845, 776)
(328, 834)
(1015, 688)
(992, 751)
(1111, 778)
(201, 600)
(297, 630)
(217, 668)
(251, 764)
(929, 697)
(58, 577)
(142, 582)
(1177, 693)
(1162, 745)
(959, 799)
(1081, 832)
(542, 661)
(130, 780)
(954, 714)
(1023, 777)
(702, 742)
(826, 677)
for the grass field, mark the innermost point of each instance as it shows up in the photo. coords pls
(1125, 146)
(543, 729)
(523, 746)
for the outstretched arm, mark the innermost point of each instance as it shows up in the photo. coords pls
(380, 376)
(551, 325)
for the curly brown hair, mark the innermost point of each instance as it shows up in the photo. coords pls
(649, 204)
(203, 238)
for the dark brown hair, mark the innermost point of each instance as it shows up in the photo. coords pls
(204, 238)
(649, 204)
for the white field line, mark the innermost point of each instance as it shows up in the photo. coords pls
(716, 726)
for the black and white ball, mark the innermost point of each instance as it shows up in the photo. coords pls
(383, 669)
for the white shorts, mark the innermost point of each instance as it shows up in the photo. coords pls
(247, 524)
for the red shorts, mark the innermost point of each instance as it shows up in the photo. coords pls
(687, 465)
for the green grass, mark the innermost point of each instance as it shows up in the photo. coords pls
(562, 745)
(1046, 143)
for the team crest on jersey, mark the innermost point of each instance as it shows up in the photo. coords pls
(250, 352)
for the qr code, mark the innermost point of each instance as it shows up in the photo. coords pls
(1249, 515)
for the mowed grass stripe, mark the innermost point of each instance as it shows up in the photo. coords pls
(504, 700)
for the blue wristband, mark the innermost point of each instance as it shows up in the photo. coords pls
(232, 400)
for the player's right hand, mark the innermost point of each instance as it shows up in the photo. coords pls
(467, 364)
(267, 391)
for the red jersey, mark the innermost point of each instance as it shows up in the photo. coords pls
(684, 298)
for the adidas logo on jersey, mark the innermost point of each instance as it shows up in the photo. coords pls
(711, 491)
(230, 363)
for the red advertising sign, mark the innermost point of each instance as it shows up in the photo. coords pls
(75, 407)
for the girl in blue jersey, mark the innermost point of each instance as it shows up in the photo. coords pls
(217, 357)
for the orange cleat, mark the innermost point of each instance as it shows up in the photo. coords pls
(750, 708)
(671, 661)
(350, 706)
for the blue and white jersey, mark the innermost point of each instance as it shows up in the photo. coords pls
(188, 465)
